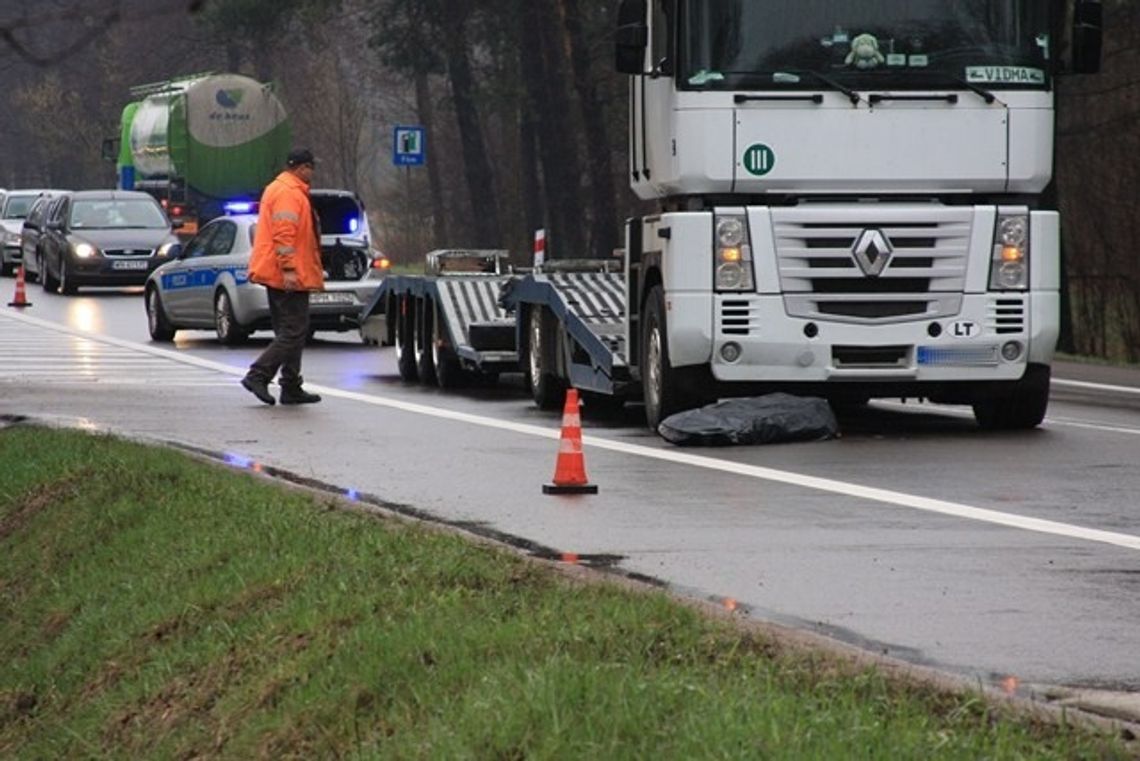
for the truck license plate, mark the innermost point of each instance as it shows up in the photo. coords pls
(136, 264)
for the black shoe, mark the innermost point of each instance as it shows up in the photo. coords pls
(258, 388)
(298, 396)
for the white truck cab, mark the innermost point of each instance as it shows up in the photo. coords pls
(850, 198)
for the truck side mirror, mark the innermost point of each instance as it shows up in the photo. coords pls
(632, 37)
(1088, 36)
(111, 149)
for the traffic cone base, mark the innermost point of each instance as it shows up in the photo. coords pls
(20, 299)
(570, 470)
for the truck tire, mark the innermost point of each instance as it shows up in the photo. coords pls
(662, 386)
(422, 341)
(226, 326)
(405, 341)
(449, 373)
(156, 321)
(546, 388)
(1019, 406)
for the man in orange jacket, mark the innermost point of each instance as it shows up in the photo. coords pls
(286, 259)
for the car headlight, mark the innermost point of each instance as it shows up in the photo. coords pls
(11, 238)
(733, 265)
(84, 250)
(165, 248)
(1009, 267)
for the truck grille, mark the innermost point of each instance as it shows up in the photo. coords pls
(923, 277)
(1005, 316)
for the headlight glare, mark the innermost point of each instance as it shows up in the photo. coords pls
(84, 250)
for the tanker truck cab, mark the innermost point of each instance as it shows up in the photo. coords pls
(851, 199)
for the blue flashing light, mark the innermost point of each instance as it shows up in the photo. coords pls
(238, 207)
(353, 224)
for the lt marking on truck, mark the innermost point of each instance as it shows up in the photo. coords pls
(964, 329)
(759, 159)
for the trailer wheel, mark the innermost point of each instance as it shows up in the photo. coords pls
(448, 372)
(546, 388)
(424, 337)
(662, 385)
(1021, 405)
(405, 340)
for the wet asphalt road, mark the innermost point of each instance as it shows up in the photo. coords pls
(914, 534)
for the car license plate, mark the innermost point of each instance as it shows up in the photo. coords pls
(324, 297)
(130, 264)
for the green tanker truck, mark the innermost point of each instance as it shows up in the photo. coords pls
(202, 143)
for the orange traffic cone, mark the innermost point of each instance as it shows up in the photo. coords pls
(570, 470)
(21, 297)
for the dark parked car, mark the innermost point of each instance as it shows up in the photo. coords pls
(32, 230)
(103, 237)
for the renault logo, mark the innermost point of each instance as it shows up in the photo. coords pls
(872, 252)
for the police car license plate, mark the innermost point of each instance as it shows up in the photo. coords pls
(324, 297)
(129, 264)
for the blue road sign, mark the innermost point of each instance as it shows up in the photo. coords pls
(408, 146)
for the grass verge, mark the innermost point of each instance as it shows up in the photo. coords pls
(152, 606)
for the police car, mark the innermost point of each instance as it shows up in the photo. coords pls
(207, 285)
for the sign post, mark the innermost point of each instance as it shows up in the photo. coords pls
(408, 150)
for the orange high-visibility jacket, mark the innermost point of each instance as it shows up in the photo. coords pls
(287, 237)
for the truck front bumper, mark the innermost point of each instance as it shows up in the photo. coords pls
(992, 338)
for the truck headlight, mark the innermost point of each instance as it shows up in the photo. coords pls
(84, 250)
(11, 238)
(1009, 268)
(733, 266)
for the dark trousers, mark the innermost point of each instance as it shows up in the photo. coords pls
(289, 313)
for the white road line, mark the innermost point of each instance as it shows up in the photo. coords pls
(1094, 386)
(872, 494)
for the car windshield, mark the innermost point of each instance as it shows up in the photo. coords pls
(117, 213)
(17, 207)
(748, 44)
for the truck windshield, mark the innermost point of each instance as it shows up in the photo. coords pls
(119, 213)
(864, 44)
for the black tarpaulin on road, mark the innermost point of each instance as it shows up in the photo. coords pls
(768, 419)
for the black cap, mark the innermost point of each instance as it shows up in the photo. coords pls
(299, 156)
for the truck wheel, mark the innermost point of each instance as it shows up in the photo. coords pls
(546, 388)
(156, 320)
(1019, 406)
(226, 325)
(662, 385)
(448, 372)
(425, 334)
(405, 340)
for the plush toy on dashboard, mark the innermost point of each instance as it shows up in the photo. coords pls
(865, 52)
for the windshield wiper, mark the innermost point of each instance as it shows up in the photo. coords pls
(819, 76)
(784, 76)
(980, 91)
